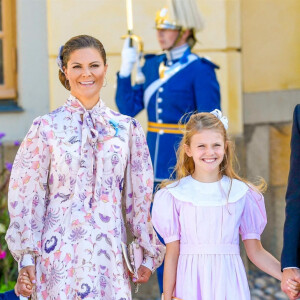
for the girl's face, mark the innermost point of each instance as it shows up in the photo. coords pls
(85, 72)
(207, 148)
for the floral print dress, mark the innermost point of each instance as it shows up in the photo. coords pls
(72, 174)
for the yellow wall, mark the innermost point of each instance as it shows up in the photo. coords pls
(271, 45)
(106, 20)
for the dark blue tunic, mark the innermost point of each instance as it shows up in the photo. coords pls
(10, 295)
(193, 86)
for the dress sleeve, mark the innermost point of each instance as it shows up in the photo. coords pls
(165, 217)
(254, 217)
(27, 195)
(138, 195)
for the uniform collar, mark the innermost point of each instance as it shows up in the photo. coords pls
(176, 53)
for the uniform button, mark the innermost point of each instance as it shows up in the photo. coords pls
(161, 132)
(159, 121)
(161, 89)
(159, 100)
(160, 110)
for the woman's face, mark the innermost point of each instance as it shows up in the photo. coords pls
(85, 72)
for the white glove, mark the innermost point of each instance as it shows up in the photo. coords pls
(139, 77)
(129, 58)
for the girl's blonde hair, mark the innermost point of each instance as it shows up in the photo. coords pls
(185, 165)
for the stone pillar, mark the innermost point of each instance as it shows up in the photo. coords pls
(268, 151)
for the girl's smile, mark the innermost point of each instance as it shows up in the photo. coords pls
(207, 149)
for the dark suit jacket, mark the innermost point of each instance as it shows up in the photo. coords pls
(9, 296)
(290, 256)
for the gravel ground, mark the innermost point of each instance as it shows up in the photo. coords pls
(262, 287)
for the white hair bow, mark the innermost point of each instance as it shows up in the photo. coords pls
(220, 116)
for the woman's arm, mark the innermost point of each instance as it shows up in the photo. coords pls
(170, 269)
(27, 195)
(137, 194)
(262, 258)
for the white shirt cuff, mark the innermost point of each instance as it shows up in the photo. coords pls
(25, 261)
(291, 268)
(148, 262)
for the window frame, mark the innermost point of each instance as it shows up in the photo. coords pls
(8, 90)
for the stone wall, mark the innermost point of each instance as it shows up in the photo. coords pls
(268, 152)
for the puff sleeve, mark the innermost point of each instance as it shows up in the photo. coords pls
(165, 217)
(27, 195)
(254, 217)
(138, 194)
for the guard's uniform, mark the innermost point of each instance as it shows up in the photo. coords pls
(189, 85)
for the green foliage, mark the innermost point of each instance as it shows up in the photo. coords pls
(8, 266)
(10, 286)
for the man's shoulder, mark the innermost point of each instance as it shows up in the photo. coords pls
(151, 62)
(207, 62)
(153, 56)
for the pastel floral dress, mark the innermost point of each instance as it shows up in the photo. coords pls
(72, 174)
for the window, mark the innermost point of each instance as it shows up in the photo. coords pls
(8, 66)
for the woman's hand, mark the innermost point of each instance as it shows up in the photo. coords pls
(144, 274)
(25, 282)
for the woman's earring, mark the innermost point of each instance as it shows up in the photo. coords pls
(105, 82)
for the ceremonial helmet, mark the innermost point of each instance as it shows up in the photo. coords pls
(180, 15)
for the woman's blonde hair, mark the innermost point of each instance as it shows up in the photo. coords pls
(185, 165)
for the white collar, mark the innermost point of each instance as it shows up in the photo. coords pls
(199, 193)
(176, 53)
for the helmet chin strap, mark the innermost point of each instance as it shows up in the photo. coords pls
(179, 36)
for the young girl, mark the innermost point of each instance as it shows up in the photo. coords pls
(201, 214)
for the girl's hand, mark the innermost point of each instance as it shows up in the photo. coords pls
(294, 288)
(26, 280)
(144, 274)
(23, 285)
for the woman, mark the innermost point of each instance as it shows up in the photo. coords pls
(69, 177)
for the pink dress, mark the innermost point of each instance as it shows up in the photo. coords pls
(198, 215)
(73, 173)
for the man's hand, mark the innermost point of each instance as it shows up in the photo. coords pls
(144, 274)
(289, 275)
(129, 58)
(26, 280)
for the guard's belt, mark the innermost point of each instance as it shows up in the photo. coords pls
(165, 128)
